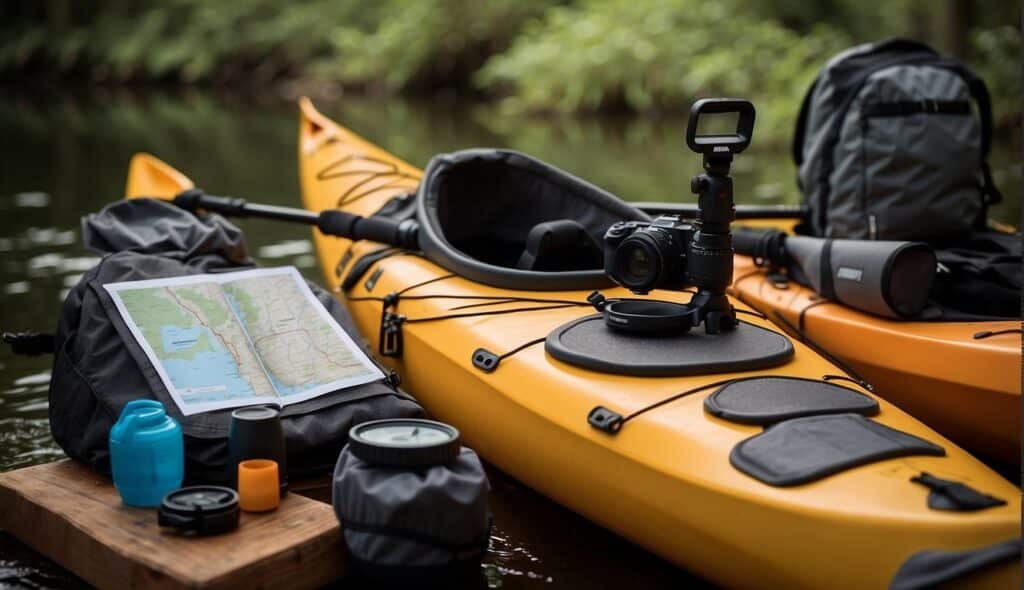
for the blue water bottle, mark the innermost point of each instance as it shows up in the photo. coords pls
(147, 453)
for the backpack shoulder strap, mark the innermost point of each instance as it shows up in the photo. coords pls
(797, 148)
(979, 92)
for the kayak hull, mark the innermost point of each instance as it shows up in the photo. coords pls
(664, 481)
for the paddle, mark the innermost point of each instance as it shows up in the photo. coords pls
(332, 222)
(403, 234)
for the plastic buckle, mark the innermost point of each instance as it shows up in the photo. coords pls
(485, 360)
(597, 300)
(394, 379)
(391, 334)
(605, 420)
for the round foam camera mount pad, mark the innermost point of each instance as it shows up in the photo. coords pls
(641, 316)
(200, 510)
(405, 442)
(587, 342)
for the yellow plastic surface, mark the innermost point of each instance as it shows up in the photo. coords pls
(664, 481)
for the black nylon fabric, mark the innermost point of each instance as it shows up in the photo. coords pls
(933, 568)
(983, 277)
(412, 518)
(855, 168)
(98, 366)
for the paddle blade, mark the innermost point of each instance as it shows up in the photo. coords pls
(149, 176)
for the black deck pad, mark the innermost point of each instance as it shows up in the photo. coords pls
(803, 450)
(955, 496)
(587, 342)
(933, 568)
(766, 400)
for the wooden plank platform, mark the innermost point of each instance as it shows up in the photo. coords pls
(76, 517)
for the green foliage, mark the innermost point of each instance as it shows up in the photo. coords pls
(427, 44)
(250, 41)
(538, 55)
(640, 56)
(998, 61)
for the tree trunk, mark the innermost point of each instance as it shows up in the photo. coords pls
(959, 17)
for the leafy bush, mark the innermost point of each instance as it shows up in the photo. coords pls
(249, 41)
(997, 59)
(623, 54)
(421, 44)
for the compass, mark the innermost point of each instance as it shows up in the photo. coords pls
(404, 442)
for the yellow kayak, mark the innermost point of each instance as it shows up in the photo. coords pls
(665, 480)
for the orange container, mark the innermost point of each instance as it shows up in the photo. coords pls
(258, 489)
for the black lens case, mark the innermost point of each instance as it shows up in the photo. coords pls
(200, 510)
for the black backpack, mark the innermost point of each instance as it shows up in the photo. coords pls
(99, 367)
(887, 147)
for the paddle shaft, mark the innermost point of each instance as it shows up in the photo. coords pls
(742, 211)
(331, 222)
(403, 234)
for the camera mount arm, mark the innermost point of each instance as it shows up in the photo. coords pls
(711, 264)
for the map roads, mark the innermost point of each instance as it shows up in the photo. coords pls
(234, 339)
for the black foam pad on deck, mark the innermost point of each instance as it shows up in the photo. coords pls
(587, 342)
(803, 450)
(766, 400)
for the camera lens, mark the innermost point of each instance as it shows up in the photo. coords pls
(638, 262)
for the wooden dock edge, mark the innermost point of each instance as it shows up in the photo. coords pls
(75, 517)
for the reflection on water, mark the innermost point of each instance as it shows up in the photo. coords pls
(61, 159)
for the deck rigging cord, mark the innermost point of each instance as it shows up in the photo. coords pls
(349, 196)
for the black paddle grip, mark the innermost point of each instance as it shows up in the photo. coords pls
(768, 248)
(377, 229)
(195, 199)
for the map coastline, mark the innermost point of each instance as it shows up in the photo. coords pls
(234, 339)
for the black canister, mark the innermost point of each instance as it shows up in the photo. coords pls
(256, 433)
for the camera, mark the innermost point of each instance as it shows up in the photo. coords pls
(671, 252)
(644, 256)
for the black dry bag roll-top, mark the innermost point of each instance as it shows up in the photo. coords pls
(887, 278)
(412, 502)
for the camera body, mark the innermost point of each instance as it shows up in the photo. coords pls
(667, 253)
(643, 256)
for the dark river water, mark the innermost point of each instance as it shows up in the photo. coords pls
(61, 158)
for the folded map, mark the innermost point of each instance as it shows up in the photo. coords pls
(234, 339)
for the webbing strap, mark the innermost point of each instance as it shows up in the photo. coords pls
(903, 108)
(828, 288)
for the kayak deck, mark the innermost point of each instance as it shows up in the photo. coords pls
(966, 388)
(664, 481)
